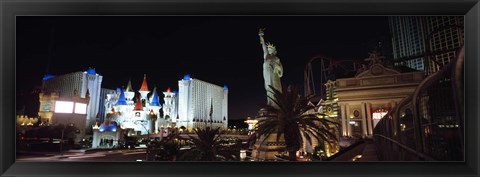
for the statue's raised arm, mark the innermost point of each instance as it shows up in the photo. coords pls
(272, 69)
(262, 41)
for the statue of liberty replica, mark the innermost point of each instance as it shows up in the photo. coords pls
(272, 68)
(266, 148)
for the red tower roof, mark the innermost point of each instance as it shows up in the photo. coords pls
(138, 105)
(168, 90)
(144, 86)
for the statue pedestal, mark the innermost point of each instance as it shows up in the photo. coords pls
(265, 148)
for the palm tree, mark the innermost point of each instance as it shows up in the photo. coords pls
(170, 151)
(166, 149)
(289, 118)
(205, 146)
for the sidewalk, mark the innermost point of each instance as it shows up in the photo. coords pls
(369, 152)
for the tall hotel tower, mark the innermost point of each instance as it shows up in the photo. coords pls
(201, 104)
(410, 35)
(70, 85)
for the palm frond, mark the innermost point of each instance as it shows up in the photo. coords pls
(289, 117)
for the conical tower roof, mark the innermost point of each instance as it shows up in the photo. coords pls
(144, 86)
(155, 100)
(129, 86)
(138, 105)
(121, 98)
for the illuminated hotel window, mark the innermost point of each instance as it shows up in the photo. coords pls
(80, 108)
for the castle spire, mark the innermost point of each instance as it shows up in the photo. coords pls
(138, 105)
(121, 98)
(129, 86)
(144, 86)
(155, 100)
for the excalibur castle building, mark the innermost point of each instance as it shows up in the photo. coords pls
(197, 104)
(107, 111)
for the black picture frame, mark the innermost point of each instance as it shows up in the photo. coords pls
(9, 9)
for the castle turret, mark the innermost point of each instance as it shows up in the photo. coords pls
(155, 102)
(121, 104)
(138, 105)
(144, 88)
(169, 106)
(138, 111)
(155, 110)
(129, 93)
(121, 99)
(139, 119)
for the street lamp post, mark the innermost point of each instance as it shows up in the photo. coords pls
(61, 142)
(142, 124)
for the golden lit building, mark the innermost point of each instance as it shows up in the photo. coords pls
(364, 99)
(252, 123)
(327, 108)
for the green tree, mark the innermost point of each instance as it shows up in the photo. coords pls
(290, 118)
(206, 146)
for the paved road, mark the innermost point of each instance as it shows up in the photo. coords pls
(126, 155)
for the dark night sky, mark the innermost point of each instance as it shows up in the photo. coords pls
(220, 50)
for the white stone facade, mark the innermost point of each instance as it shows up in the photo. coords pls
(201, 103)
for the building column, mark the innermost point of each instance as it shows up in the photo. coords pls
(369, 118)
(347, 117)
(364, 120)
(344, 126)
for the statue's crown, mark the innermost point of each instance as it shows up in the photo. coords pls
(270, 45)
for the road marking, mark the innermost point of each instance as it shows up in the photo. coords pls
(130, 153)
(88, 156)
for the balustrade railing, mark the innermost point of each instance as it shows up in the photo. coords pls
(427, 125)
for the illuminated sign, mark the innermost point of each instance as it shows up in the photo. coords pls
(80, 108)
(377, 115)
(63, 107)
